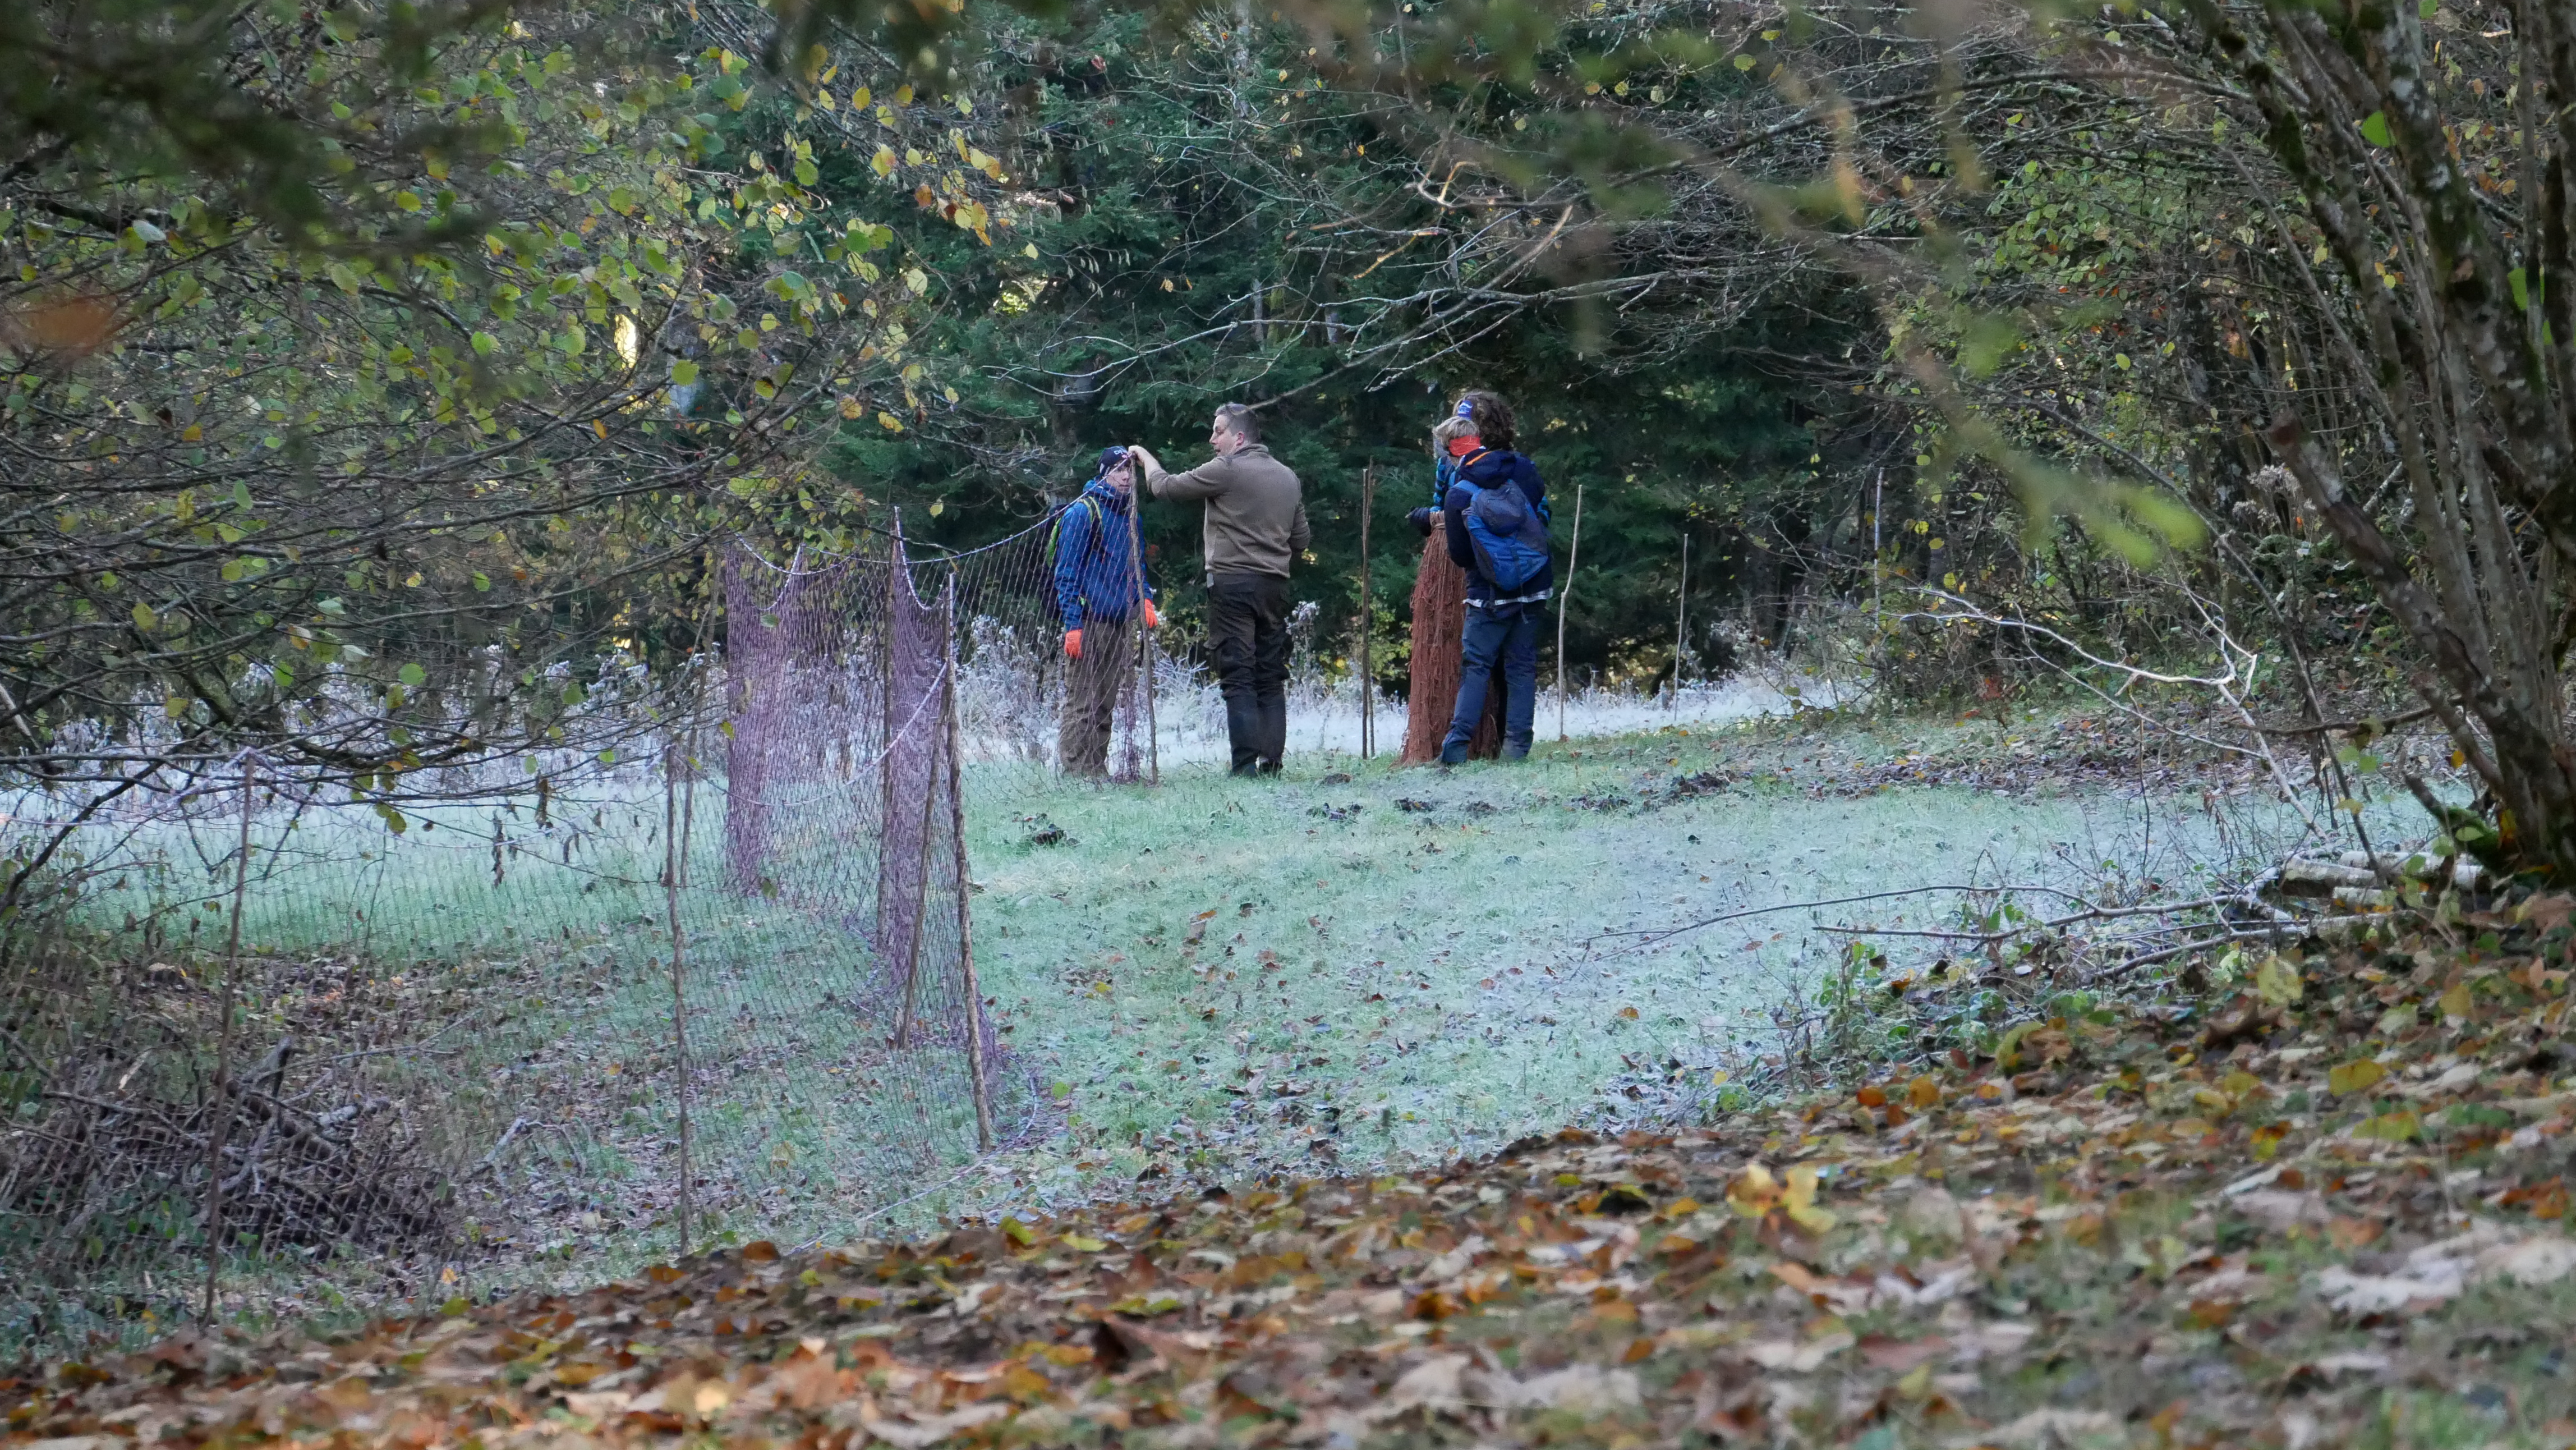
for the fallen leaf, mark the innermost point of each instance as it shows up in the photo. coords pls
(2543, 1259)
(1798, 1358)
(922, 1430)
(2352, 1293)
(2053, 1428)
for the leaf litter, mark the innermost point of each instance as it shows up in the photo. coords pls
(2168, 1223)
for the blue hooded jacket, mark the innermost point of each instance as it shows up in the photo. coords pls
(1492, 468)
(1096, 573)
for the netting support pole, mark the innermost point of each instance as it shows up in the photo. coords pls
(1147, 651)
(1368, 680)
(920, 907)
(673, 762)
(965, 891)
(1681, 610)
(1565, 602)
(222, 1126)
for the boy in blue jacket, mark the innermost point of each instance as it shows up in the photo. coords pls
(1099, 587)
(1495, 515)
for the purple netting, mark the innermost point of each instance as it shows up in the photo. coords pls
(841, 801)
(917, 739)
(512, 1003)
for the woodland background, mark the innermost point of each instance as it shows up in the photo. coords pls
(421, 354)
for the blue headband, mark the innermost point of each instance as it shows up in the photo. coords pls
(1466, 409)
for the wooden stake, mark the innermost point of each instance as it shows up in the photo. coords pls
(1368, 679)
(224, 1051)
(1564, 601)
(1681, 607)
(671, 858)
(975, 1071)
(1877, 575)
(920, 908)
(1146, 653)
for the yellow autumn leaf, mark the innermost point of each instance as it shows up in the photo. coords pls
(851, 407)
(2278, 982)
(883, 162)
(2356, 1076)
(1754, 1191)
(2457, 1002)
(1801, 1202)
(889, 422)
(1085, 1243)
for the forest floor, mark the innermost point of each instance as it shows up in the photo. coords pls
(2306, 1197)
(2321, 1204)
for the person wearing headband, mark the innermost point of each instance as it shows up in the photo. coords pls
(1440, 609)
(1494, 517)
(1100, 589)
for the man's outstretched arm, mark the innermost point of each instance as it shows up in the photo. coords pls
(1205, 481)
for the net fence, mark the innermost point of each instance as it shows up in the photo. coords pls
(712, 981)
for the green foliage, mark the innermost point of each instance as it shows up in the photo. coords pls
(1206, 219)
(410, 479)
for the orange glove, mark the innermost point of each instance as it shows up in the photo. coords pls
(1073, 644)
(1152, 620)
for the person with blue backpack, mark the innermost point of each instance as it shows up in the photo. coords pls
(1099, 590)
(1495, 515)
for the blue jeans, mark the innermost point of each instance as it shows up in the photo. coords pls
(1511, 643)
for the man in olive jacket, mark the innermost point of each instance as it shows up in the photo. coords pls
(1256, 523)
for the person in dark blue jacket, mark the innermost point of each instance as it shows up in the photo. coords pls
(1099, 590)
(1503, 618)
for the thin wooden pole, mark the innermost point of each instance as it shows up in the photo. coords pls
(672, 764)
(1146, 651)
(975, 1071)
(920, 906)
(1564, 601)
(1877, 575)
(697, 704)
(1681, 608)
(1368, 620)
(223, 1123)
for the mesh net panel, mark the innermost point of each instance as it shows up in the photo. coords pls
(460, 1043)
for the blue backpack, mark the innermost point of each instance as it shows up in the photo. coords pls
(1508, 533)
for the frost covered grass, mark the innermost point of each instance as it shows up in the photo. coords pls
(1219, 978)
(1005, 720)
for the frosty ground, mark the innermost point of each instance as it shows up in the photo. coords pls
(1359, 965)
